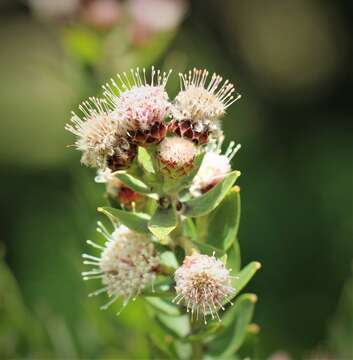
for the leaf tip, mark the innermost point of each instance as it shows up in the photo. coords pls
(100, 209)
(253, 298)
(236, 188)
(254, 328)
(258, 265)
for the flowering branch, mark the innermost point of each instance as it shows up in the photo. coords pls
(174, 209)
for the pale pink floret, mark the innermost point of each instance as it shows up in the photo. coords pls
(215, 166)
(204, 284)
(136, 103)
(201, 101)
(142, 106)
(96, 130)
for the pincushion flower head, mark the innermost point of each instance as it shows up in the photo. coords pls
(199, 105)
(140, 106)
(176, 156)
(215, 166)
(204, 284)
(127, 264)
(100, 137)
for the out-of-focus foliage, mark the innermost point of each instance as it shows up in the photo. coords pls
(292, 65)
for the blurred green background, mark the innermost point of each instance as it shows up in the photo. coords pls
(291, 61)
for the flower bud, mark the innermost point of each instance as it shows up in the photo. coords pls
(176, 156)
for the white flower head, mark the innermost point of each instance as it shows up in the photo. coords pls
(215, 166)
(201, 102)
(204, 284)
(177, 154)
(137, 103)
(97, 132)
(126, 265)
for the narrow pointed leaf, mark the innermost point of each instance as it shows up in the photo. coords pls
(133, 220)
(163, 222)
(206, 203)
(245, 275)
(133, 183)
(145, 159)
(175, 325)
(163, 306)
(236, 322)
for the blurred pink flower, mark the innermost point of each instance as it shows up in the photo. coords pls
(101, 14)
(150, 16)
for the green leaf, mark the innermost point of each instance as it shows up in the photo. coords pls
(163, 287)
(223, 222)
(175, 325)
(183, 349)
(163, 222)
(168, 259)
(206, 332)
(208, 249)
(133, 220)
(245, 275)
(180, 254)
(145, 160)
(163, 306)
(206, 203)
(233, 257)
(157, 348)
(189, 228)
(160, 343)
(133, 183)
(236, 322)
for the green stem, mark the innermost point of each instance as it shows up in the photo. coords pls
(197, 347)
(197, 351)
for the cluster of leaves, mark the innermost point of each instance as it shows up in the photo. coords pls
(180, 223)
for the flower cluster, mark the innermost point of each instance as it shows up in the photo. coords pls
(137, 112)
(136, 120)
